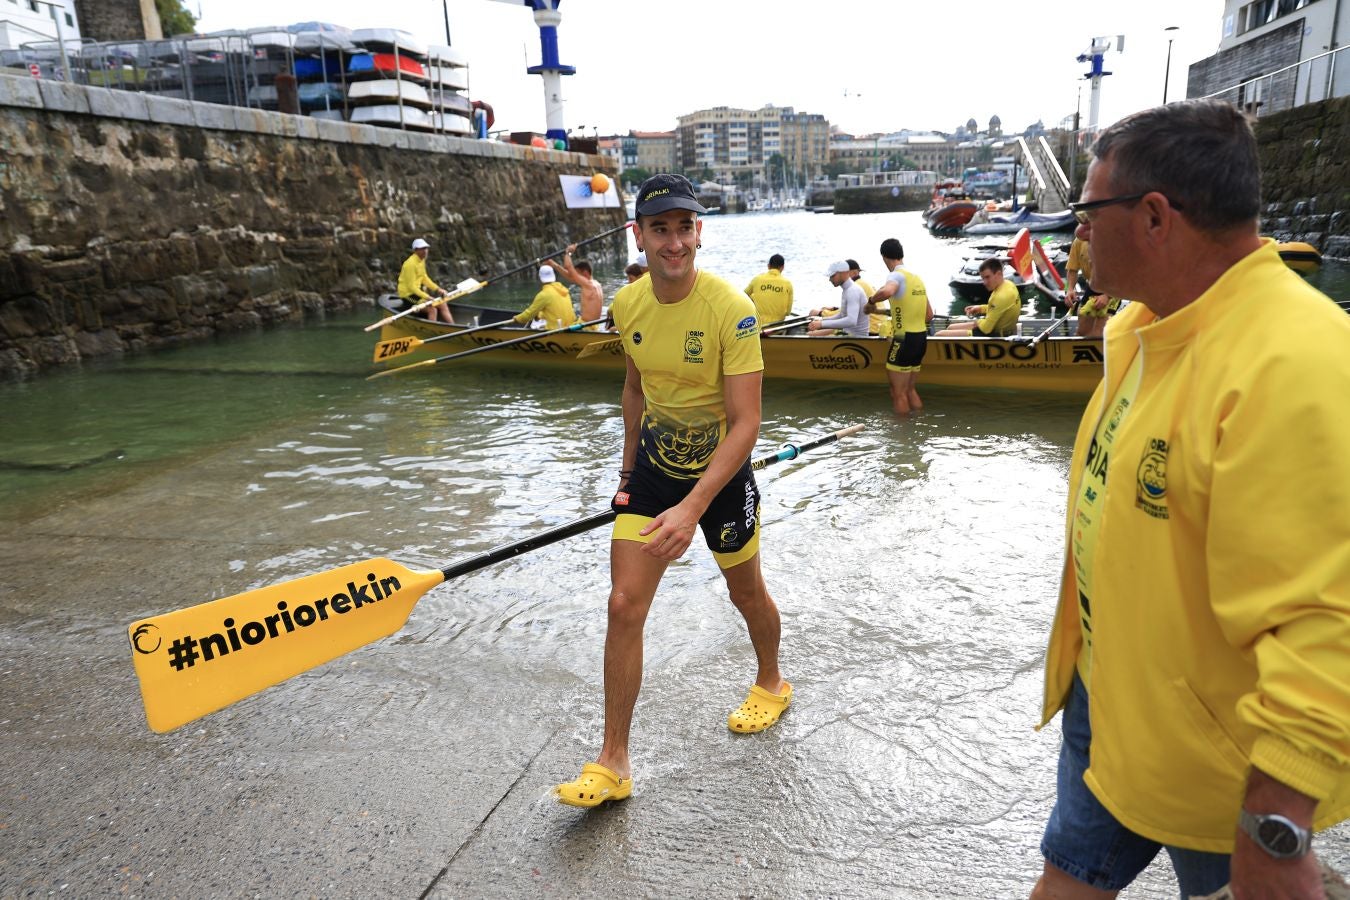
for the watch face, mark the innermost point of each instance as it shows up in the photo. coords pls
(1278, 837)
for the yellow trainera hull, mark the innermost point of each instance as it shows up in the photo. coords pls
(1059, 364)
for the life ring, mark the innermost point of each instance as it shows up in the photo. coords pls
(487, 111)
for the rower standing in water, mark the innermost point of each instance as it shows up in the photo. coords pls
(691, 411)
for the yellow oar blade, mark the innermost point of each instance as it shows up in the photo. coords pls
(397, 347)
(416, 365)
(203, 658)
(599, 347)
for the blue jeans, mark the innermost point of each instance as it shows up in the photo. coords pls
(1083, 839)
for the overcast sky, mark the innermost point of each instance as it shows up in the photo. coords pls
(866, 65)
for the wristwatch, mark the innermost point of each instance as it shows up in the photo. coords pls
(1276, 835)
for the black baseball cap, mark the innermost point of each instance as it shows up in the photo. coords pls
(662, 193)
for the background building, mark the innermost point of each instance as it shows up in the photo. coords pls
(1274, 55)
(119, 20)
(771, 145)
(37, 21)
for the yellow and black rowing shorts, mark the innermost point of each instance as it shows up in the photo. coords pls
(730, 525)
(907, 351)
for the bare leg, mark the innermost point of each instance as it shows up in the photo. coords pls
(634, 576)
(440, 311)
(899, 395)
(1056, 884)
(911, 382)
(745, 584)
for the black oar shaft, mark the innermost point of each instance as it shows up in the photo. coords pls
(533, 336)
(547, 256)
(571, 529)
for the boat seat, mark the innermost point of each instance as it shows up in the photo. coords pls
(493, 316)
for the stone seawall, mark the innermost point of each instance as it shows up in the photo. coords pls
(129, 222)
(1305, 175)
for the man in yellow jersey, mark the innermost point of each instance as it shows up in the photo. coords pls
(592, 299)
(413, 283)
(998, 317)
(910, 314)
(691, 412)
(771, 292)
(1096, 307)
(552, 305)
(1201, 645)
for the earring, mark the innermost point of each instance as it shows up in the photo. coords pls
(698, 246)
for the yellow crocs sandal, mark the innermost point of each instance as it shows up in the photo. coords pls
(760, 710)
(594, 786)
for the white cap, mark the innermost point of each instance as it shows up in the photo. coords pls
(642, 259)
(420, 244)
(546, 274)
(839, 265)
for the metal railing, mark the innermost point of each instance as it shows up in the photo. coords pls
(238, 68)
(1277, 91)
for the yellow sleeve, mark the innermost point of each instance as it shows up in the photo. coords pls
(740, 339)
(1281, 588)
(534, 309)
(750, 288)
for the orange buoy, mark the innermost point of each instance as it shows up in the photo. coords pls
(599, 183)
(539, 142)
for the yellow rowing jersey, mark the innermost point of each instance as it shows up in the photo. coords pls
(1002, 311)
(909, 304)
(553, 304)
(411, 278)
(683, 351)
(772, 295)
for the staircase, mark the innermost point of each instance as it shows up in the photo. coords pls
(1049, 184)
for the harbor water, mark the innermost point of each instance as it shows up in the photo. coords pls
(915, 566)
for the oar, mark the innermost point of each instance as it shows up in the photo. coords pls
(390, 349)
(608, 344)
(1055, 324)
(467, 286)
(532, 336)
(203, 658)
(480, 284)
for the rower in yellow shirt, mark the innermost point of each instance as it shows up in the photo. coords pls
(771, 292)
(553, 303)
(998, 316)
(413, 282)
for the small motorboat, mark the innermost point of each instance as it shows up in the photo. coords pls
(392, 114)
(952, 216)
(984, 223)
(388, 40)
(368, 65)
(388, 90)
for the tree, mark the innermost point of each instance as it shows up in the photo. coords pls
(635, 175)
(174, 19)
(836, 168)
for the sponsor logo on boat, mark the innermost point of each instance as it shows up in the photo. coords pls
(1151, 479)
(1088, 355)
(842, 356)
(693, 347)
(187, 651)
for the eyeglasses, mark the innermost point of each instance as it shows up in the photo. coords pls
(1080, 210)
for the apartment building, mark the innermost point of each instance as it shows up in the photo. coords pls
(1276, 54)
(731, 142)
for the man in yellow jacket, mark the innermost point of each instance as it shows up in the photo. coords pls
(413, 283)
(553, 303)
(1201, 646)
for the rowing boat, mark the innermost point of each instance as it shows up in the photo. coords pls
(1057, 364)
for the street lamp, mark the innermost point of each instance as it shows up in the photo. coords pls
(1167, 72)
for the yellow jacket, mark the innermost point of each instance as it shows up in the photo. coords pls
(412, 277)
(553, 304)
(1221, 594)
